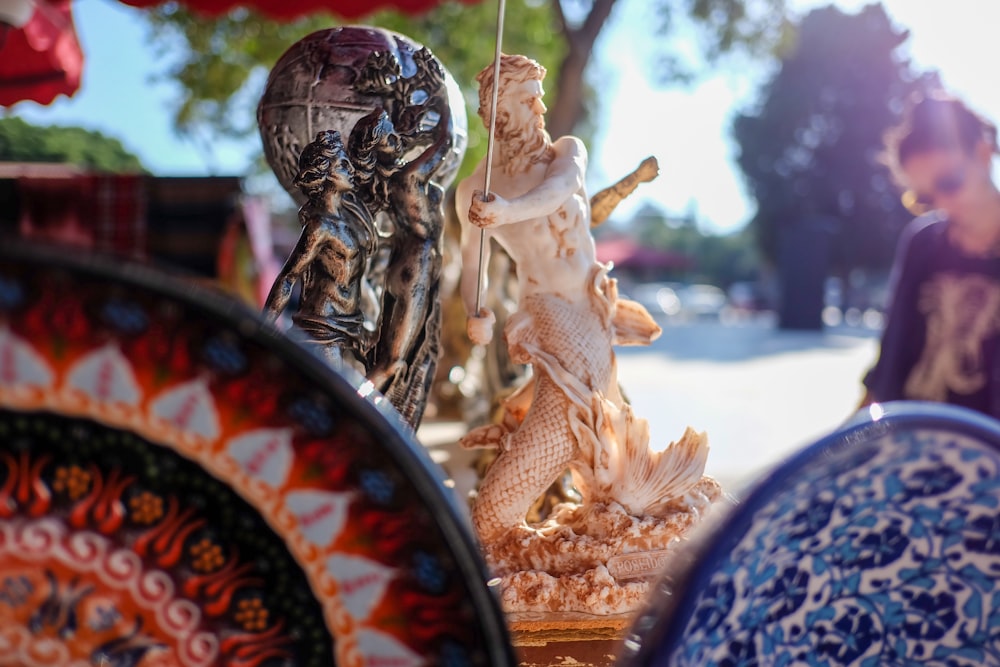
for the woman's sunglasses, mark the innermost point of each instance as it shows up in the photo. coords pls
(919, 203)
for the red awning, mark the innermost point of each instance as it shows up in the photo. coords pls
(287, 10)
(42, 59)
(626, 253)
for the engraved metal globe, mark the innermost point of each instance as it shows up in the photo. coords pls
(311, 88)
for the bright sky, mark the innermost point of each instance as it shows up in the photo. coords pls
(686, 129)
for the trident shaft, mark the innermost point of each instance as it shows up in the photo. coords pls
(490, 141)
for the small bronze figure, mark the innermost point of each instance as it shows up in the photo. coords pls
(405, 355)
(329, 260)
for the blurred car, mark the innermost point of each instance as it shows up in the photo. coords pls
(746, 296)
(658, 298)
(702, 301)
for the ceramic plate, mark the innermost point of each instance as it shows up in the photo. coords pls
(180, 484)
(877, 545)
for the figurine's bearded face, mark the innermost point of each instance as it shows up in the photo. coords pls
(520, 129)
(523, 104)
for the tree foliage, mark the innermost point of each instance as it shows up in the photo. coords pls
(23, 142)
(221, 64)
(811, 150)
(717, 259)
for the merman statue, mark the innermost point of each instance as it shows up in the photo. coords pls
(570, 414)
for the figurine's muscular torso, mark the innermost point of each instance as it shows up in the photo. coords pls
(553, 238)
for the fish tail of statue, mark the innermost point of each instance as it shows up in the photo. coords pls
(535, 456)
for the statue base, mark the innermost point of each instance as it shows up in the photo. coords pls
(595, 559)
(582, 640)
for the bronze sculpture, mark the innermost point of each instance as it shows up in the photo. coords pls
(402, 362)
(405, 141)
(328, 261)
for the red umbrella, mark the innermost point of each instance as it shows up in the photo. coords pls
(40, 59)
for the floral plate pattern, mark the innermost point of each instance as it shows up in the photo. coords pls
(879, 545)
(181, 484)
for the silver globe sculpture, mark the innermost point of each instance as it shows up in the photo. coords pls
(369, 260)
(311, 88)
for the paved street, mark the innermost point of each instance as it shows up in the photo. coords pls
(759, 393)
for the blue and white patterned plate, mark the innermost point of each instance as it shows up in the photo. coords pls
(878, 545)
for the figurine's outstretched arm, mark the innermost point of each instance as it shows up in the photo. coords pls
(564, 177)
(306, 249)
(604, 202)
(424, 165)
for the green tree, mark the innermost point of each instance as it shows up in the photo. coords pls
(23, 142)
(728, 258)
(717, 259)
(810, 150)
(751, 29)
(655, 228)
(221, 64)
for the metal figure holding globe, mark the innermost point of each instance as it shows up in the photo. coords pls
(406, 128)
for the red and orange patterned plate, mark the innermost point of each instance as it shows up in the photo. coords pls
(180, 484)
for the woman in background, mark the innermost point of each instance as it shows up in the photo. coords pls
(943, 327)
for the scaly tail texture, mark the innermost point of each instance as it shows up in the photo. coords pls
(577, 418)
(530, 459)
(565, 343)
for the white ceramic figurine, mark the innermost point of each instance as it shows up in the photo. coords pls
(571, 414)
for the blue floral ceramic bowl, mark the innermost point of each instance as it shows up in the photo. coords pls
(878, 545)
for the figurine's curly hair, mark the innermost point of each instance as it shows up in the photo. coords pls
(935, 121)
(368, 140)
(513, 69)
(316, 161)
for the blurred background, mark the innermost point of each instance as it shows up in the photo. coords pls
(763, 248)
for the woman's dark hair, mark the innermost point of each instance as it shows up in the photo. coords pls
(936, 122)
